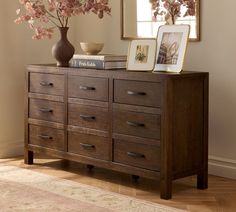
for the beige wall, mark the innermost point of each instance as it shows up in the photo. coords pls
(16, 50)
(215, 54)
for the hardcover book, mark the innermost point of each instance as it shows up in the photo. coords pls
(97, 64)
(105, 57)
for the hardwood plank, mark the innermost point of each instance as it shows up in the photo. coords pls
(88, 88)
(166, 140)
(87, 102)
(87, 131)
(50, 84)
(136, 124)
(220, 196)
(137, 93)
(202, 180)
(88, 145)
(139, 109)
(46, 97)
(137, 154)
(46, 123)
(135, 139)
(88, 117)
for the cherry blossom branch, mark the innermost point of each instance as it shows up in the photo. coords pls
(171, 9)
(53, 22)
(67, 20)
(59, 18)
(60, 11)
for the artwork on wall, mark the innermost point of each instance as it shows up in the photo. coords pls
(171, 47)
(141, 55)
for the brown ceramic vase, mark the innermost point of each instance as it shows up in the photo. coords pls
(63, 50)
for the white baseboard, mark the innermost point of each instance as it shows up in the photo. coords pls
(11, 149)
(222, 167)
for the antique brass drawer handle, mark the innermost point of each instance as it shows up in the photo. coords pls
(46, 84)
(136, 93)
(45, 137)
(135, 124)
(87, 88)
(45, 110)
(135, 155)
(88, 118)
(87, 146)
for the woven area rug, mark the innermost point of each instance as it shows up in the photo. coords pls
(26, 190)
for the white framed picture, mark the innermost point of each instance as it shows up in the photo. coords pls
(171, 47)
(141, 55)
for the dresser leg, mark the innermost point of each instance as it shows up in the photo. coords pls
(90, 167)
(29, 157)
(202, 180)
(135, 178)
(166, 189)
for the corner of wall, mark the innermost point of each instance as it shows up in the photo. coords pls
(11, 149)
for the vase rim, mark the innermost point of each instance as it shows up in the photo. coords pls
(60, 27)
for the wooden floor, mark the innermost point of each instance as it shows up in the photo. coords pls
(220, 197)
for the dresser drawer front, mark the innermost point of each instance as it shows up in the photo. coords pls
(47, 84)
(136, 124)
(88, 88)
(46, 110)
(136, 154)
(46, 137)
(88, 145)
(137, 93)
(88, 116)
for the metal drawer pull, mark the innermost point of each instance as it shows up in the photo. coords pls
(46, 84)
(45, 110)
(90, 118)
(135, 155)
(135, 124)
(136, 93)
(45, 137)
(90, 146)
(87, 88)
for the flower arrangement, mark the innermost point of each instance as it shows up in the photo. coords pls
(57, 13)
(172, 9)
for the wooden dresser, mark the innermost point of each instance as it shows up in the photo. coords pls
(143, 124)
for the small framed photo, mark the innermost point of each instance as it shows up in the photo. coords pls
(141, 55)
(171, 47)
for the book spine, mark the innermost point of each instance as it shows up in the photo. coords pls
(100, 57)
(89, 57)
(83, 63)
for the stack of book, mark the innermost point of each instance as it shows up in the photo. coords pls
(99, 61)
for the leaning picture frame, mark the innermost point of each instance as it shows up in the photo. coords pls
(171, 47)
(141, 55)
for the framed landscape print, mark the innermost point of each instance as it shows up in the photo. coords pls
(141, 55)
(171, 47)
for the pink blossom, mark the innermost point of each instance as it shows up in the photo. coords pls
(171, 9)
(58, 12)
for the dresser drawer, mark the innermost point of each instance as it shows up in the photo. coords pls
(46, 110)
(46, 137)
(47, 84)
(136, 154)
(88, 116)
(136, 124)
(88, 145)
(88, 88)
(137, 93)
